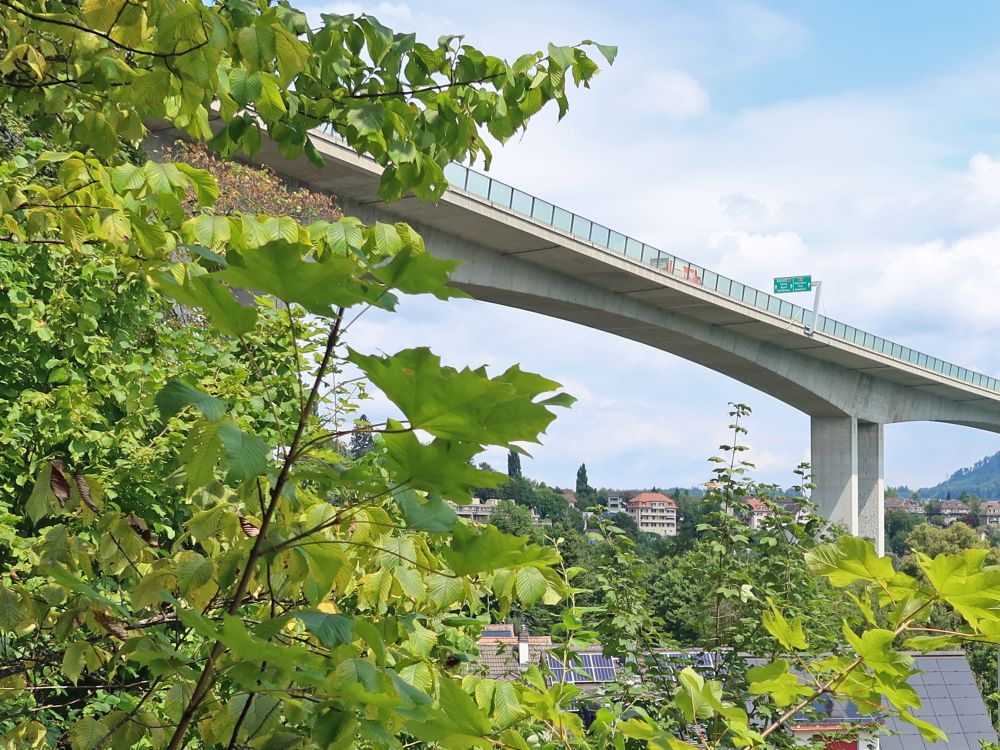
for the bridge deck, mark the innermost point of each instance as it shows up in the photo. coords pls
(510, 222)
(485, 211)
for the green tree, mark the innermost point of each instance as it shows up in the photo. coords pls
(292, 598)
(511, 518)
(626, 523)
(550, 504)
(898, 526)
(277, 575)
(582, 485)
(513, 464)
(361, 438)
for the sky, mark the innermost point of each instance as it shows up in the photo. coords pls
(855, 141)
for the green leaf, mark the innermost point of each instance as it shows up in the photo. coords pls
(270, 103)
(324, 562)
(775, 680)
(345, 236)
(42, 500)
(206, 189)
(256, 44)
(506, 706)
(458, 725)
(927, 730)
(278, 268)
(245, 87)
(193, 571)
(12, 611)
(478, 550)
(214, 298)
(875, 647)
(609, 51)
(210, 231)
(245, 455)
(73, 660)
(788, 634)
(529, 583)
(433, 514)
(415, 272)
(201, 453)
(334, 729)
(441, 467)
(177, 394)
(366, 119)
(331, 629)
(162, 177)
(850, 559)
(465, 405)
(86, 734)
(234, 634)
(128, 177)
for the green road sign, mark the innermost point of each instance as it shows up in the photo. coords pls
(786, 284)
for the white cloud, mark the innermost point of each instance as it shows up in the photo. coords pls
(890, 196)
(673, 94)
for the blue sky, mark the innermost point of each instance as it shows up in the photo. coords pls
(857, 141)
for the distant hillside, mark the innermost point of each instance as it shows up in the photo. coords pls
(981, 480)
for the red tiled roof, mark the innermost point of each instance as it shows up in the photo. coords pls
(648, 498)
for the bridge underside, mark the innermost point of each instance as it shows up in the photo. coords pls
(508, 259)
(848, 408)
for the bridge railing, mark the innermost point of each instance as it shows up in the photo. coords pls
(505, 196)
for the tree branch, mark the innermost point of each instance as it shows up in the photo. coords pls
(205, 679)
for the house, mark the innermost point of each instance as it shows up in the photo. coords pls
(570, 496)
(504, 655)
(989, 512)
(654, 513)
(904, 505)
(617, 502)
(954, 510)
(759, 510)
(480, 510)
(949, 696)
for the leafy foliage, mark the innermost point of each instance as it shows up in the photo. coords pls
(199, 562)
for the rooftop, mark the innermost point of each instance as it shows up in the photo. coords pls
(648, 498)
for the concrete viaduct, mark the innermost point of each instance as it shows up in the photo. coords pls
(520, 251)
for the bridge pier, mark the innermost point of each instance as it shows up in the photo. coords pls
(871, 484)
(847, 465)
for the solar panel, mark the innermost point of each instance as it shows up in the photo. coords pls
(585, 667)
(680, 659)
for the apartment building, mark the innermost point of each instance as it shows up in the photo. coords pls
(616, 503)
(654, 513)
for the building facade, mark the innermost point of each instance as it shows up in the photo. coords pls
(654, 513)
(989, 512)
(480, 509)
(904, 505)
(617, 503)
(954, 510)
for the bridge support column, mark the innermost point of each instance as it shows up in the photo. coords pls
(871, 484)
(835, 470)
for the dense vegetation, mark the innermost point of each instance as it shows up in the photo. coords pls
(982, 479)
(204, 541)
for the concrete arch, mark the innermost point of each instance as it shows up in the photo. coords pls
(850, 391)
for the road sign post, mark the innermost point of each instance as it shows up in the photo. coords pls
(792, 284)
(789, 284)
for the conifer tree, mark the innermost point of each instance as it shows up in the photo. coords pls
(513, 464)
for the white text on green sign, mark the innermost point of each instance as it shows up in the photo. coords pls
(786, 284)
